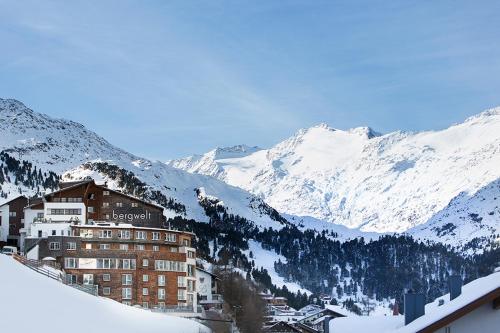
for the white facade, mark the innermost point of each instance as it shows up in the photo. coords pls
(483, 319)
(204, 284)
(4, 228)
(43, 230)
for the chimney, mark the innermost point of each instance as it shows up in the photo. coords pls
(455, 285)
(326, 324)
(414, 307)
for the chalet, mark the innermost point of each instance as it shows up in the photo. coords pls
(12, 220)
(281, 327)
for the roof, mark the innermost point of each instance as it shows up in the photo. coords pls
(474, 294)
(112, 225)
(8, 202)
(205, 271)
(87, 181)
(280, 324)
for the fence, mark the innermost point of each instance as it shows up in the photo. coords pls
(38, 266)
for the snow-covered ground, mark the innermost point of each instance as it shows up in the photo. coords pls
(266, 259)
(34, 303)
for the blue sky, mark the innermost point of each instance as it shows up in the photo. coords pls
(165, 79)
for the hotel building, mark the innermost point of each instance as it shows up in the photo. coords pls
(115, 243)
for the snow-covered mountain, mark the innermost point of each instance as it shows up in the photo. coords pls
(383, 183)
(69, 149)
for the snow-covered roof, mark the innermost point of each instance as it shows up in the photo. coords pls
(473, 295)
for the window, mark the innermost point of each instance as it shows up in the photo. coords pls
(86, 233)
(124, 247)
(181, 294)
(128, 264)
(90, 209)
(88, 278)
(74, 199)
(170, 266)
(105, 263)
(127, 279)
(71, 246)
(191, 254)
(71, 279)
(126, 293)
(140, 235)
(106, 291)
(88, 246)
(126, 303)
(104, 246)
(54, 246)
(12, 214)
(39, 233)
(53, 232)
(39, 215)
(135, 204)
(156, 248)
(145, 305)
(161, 280)
(145, 262)
(91, 196)
(119, 204)
(70, 263)
(181, 281)
(106, 277)
(190, 270)
(190, 286)
(174, 249)
(145, 278)
(161, 305)
(106, 216)
(105, 192)
(190, 299)
(161, 293)
(171, 237)
(156, 235)
(124, 234)
(105, 204)
(186, 242)
(139, 247)
(145, 291)
(104, 233)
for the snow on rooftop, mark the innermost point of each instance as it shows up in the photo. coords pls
(433, 312)
(34, 303)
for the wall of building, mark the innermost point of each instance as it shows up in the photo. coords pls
(4, 227)
(204, 285)
(68, 207)
(483, 319)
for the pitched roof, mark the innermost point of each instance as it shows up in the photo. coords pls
(8, 202)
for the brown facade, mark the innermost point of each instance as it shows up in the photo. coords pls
(104, 204)
(91, 243)
(16, 217)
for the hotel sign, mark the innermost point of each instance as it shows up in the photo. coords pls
(131, 217)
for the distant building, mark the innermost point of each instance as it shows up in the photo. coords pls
(12, 220)
(208, 289)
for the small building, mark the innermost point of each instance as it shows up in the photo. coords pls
(12, 220)
(208, 289)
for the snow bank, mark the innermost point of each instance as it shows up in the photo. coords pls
(34, 303)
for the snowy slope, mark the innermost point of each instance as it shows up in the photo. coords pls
(26, 308)
(361, 179)
(64, 146)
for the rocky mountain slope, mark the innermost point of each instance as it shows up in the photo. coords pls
(69, 149)
(382, 183)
